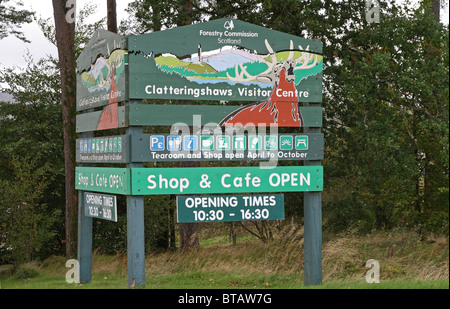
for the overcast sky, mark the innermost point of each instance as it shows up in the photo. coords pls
(15, 49)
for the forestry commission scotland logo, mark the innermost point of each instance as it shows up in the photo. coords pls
(229, 25)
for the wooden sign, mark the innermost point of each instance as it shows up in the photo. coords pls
(155, 181)
(167, 115)
(260, 147)
(100, 206)
(105, 149)
(111, 117)
(103, 179)
(227, 208)
(102, 72)
(230, 60)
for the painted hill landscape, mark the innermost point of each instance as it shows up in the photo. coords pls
(213, 67)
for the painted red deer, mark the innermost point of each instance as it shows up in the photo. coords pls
(281, 108)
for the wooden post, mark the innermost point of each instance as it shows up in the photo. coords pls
(84, 244)
(135, 228)
(313, 228)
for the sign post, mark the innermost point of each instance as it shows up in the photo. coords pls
(274, 71)
(312, 204)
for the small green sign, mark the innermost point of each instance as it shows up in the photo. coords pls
(239, 142)
(101, 206)
(254, 142)
(270, 142)
(301, 142)
(152, 181)
(225, 208)
(206, 142)
(223, 142)
(103, 179)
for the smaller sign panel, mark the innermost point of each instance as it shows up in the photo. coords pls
(101, 206)
(226, 208)
(166, 147)
(249, 179)
(105, 149)
(102, 71)
(103, 179)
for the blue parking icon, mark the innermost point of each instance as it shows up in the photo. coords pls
(190, 142)
(157, 142)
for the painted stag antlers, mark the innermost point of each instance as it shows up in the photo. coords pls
(272, 73)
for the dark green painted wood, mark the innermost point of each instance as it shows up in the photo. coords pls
(135, 227)
(103, 179)
(112, 149)
(87, 122)
(313, 228)
(141, 151)
(214, 35)
(228, 208)
(102, 44)
(167, 115)
(84, 239)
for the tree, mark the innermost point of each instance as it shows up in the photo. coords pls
(112, 16)
(31, 162)
(11, 18)
(65, 38)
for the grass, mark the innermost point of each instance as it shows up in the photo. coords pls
(406, 262)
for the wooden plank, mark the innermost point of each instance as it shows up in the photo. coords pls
(103, 179)
(240, 147)
(167, 115)
(228, 208)
(105, 149)
(313, 226)
(249, 179)
(102, 71)
(88, 122)
(207, 62)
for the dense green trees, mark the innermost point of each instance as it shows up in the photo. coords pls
(386, 93)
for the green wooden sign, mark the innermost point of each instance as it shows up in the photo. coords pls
(225, 58)
(229, 60)
(100, 206)
(105, 149)
(101, 71)
(154, 181)
(111, 117)
(167, 115)
(226, 208)
(260, 147)
(103, 179)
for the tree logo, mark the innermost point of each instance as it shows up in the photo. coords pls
(229, 25)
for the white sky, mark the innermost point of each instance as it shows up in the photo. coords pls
(39, 47)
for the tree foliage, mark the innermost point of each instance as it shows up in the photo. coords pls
(12, 17)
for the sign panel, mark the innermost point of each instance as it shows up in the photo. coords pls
(166, 147)
(101, 71)
(111, 117)
(224, 208)
(101, 206)
(198, 180)
(106, 149)
(167, 115)
(231, 60)
(103, 179)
